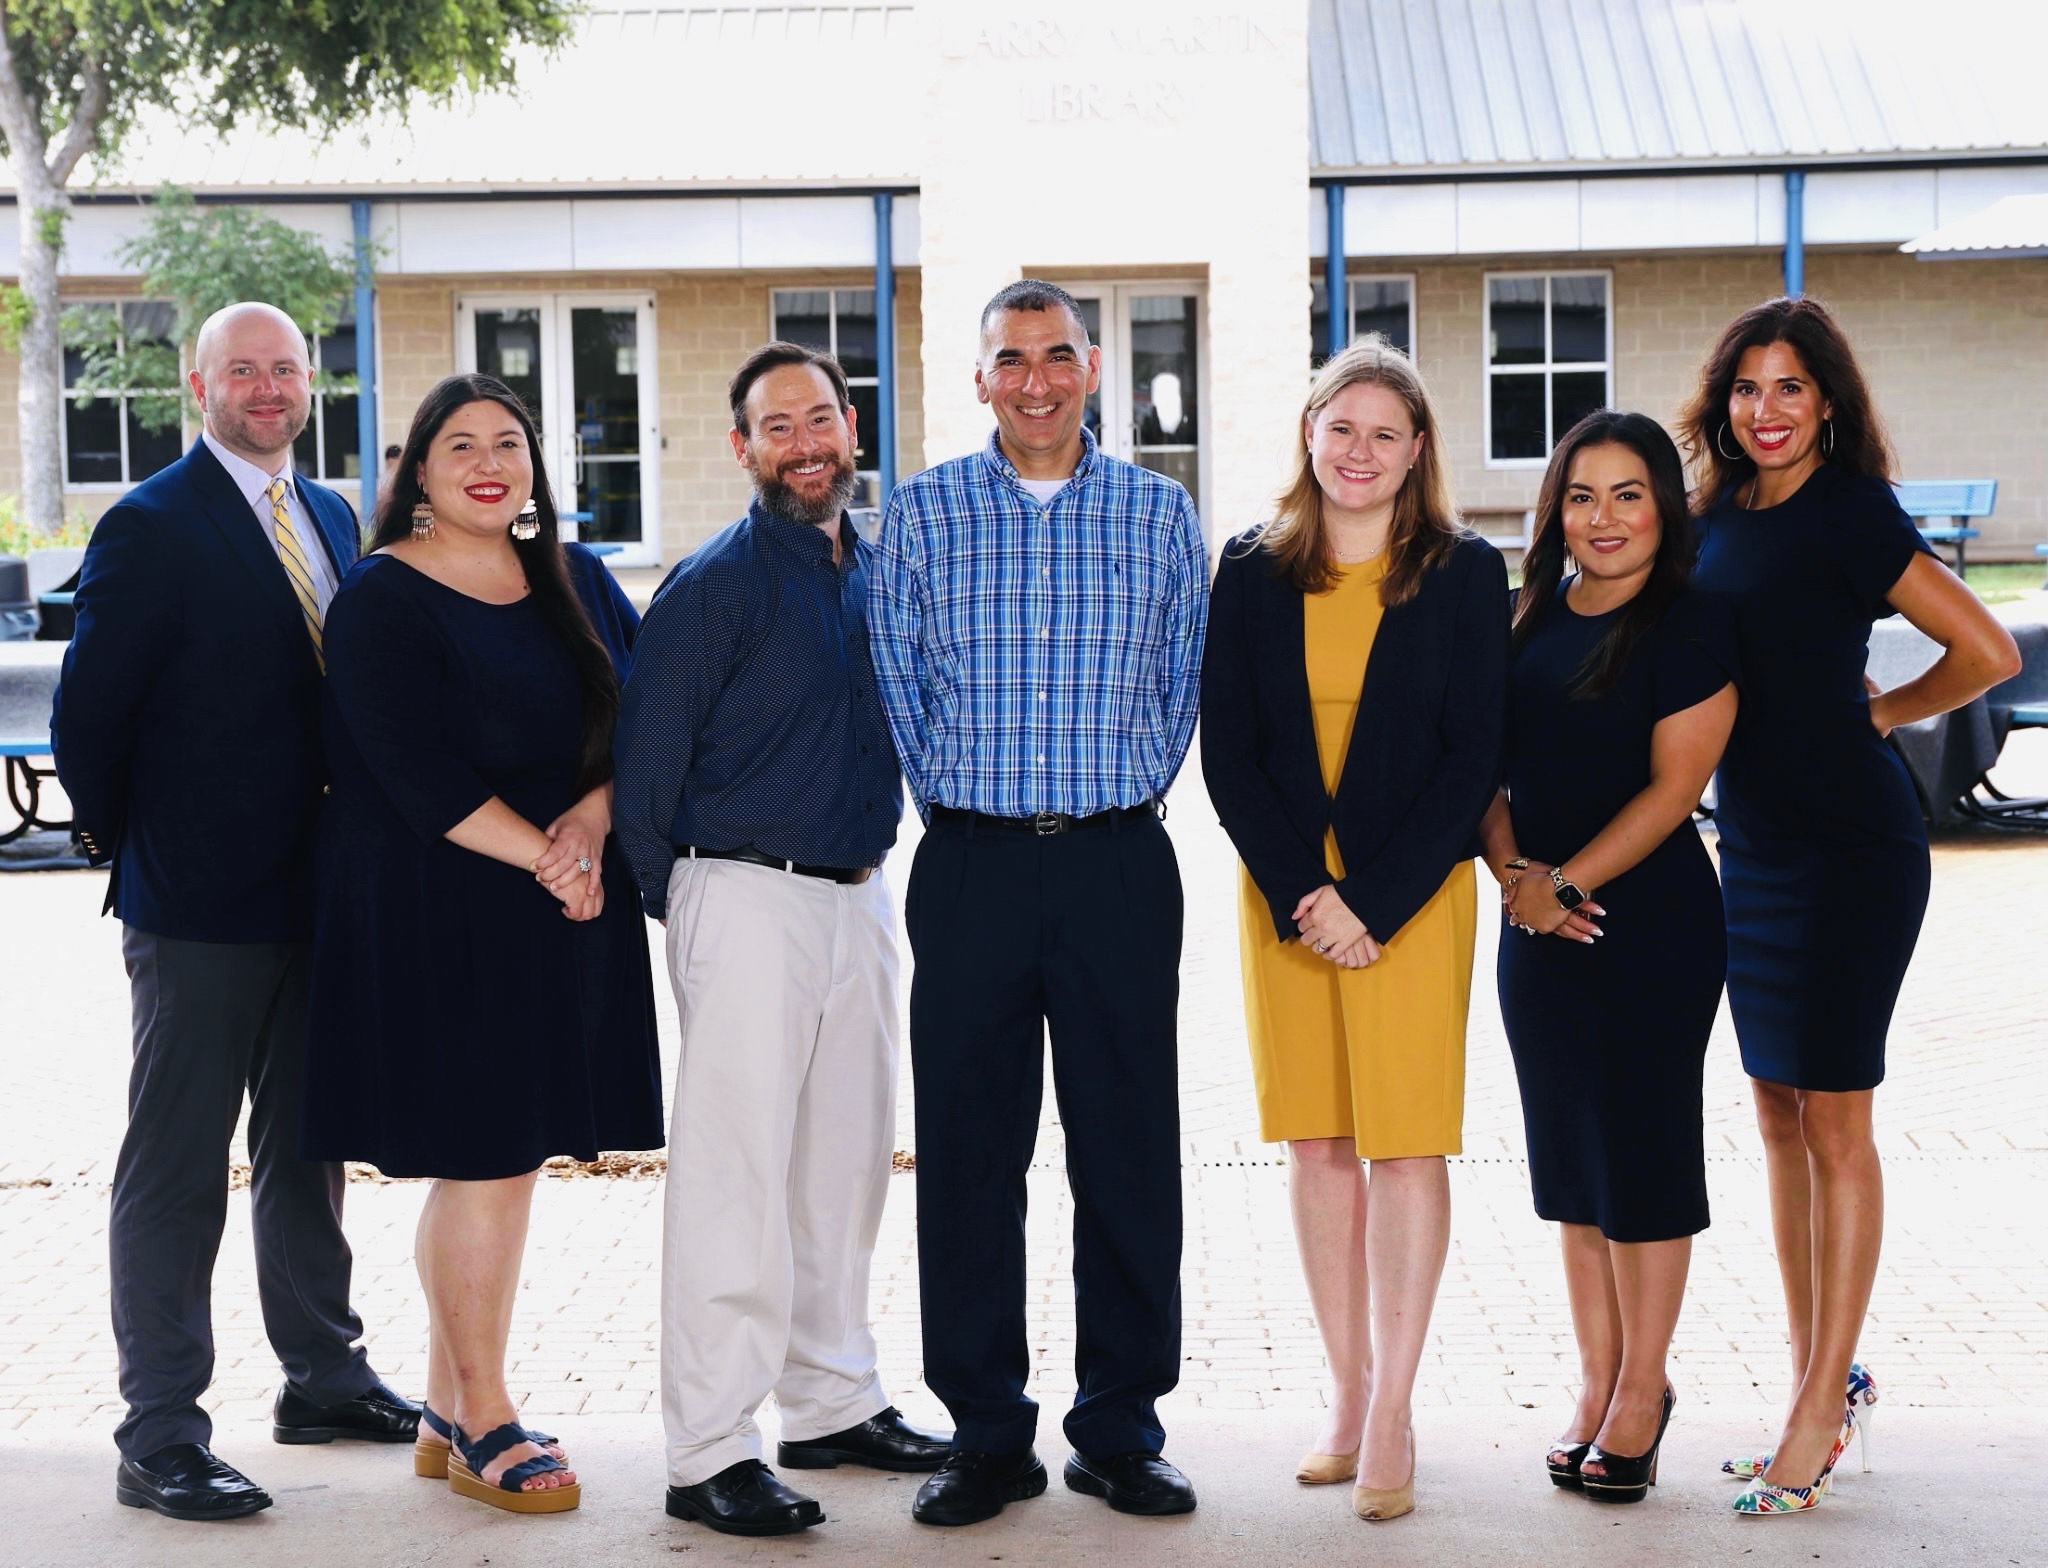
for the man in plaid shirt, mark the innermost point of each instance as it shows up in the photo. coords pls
(1036, 613)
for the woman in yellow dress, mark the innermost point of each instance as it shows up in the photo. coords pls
(1353, 696)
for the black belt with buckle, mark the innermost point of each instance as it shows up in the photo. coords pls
(753, 857)
(1046, 823)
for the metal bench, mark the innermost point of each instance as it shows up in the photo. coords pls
(25, 691)
(1939, 507)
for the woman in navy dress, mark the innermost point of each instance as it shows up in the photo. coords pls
(1824, 864)
(1619, 702)
(479, 1004)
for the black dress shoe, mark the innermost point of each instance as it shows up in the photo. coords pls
(745, 1499)
(973, 1485)
(1133, 1483)
(376, 1416)
(882, 1442)
(186, 1481)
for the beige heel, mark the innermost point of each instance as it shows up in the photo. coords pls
(1326, 1469)
(1382, 1503)
(429, 1460)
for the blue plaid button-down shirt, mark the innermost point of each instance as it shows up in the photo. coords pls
(1039, 657)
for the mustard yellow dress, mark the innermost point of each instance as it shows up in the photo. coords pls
(1374, 1054)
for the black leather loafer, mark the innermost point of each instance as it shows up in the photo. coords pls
(973, 1485)
(745, 1499)
(375, 1416)
(882, 1442)
(1133, 1483)
(186, 1481)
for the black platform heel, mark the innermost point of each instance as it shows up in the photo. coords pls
(1563, 1462)
(1626, 1478)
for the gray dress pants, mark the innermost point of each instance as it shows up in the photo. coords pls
(214, 1020)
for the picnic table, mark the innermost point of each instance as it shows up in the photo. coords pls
(1940, 506)
(27, 683)
(1948, 755)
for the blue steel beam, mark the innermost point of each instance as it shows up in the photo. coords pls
(1335, 290)
(1795, 232)
(372, 450)
(885, 344)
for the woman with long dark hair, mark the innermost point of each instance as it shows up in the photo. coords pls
(1824, 864)
(1352, 691)
(1620, 699)
(479, 1004)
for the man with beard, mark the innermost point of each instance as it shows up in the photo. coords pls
(187, 735)
(756, 794)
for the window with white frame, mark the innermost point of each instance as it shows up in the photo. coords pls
(1382, 305)
(105, 440)
(330, 447)
(1549, 360)
(842, 323)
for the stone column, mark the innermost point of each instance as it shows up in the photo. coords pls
(1134, 134)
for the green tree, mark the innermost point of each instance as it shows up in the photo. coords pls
(199, 259)
(74, 75)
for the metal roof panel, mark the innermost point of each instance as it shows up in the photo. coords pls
(1329, 95)
(1543, 84)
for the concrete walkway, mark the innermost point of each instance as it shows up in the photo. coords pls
(1958, 1331)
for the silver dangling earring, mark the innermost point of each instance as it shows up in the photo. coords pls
(1734, 456)
(527, 524)
(1827, 439)
(422, 520)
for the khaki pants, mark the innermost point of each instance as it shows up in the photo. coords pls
(779, 1156)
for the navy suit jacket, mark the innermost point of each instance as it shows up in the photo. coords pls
(187, 720)
(1425, 753)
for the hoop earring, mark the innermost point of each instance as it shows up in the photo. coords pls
(1734, 456)
(527, 524)
(422, 520)
(1827, 439)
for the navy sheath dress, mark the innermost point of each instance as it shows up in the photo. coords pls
(1824, 866)
(1610, 1038)
(462, 1026)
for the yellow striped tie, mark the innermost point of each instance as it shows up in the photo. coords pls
(293, 554)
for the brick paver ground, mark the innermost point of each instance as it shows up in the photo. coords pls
(1958, 1328)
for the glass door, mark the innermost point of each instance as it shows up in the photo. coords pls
(1149, 409)
(584, 365)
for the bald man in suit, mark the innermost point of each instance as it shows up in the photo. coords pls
(187, 736)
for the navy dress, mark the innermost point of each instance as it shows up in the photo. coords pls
(462, 1026)
(1823, 853)
(1610, 1038)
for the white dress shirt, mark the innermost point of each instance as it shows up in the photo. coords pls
(255, 484)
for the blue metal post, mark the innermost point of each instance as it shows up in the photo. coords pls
(885, 344)
(1335, 290)
(1795, 232)
(367, 444)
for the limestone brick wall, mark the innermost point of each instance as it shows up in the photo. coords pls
(1956, 354)
(705, 324)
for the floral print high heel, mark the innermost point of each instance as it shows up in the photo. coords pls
(1762, 1497)
(1862, 1395)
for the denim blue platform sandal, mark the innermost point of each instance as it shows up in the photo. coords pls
(469, 1456)
(430, 1460)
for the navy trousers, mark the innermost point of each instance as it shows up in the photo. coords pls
(1075, 935)
(215, 1021)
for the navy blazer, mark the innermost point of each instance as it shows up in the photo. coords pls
(187, 721)
(1425, 753)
